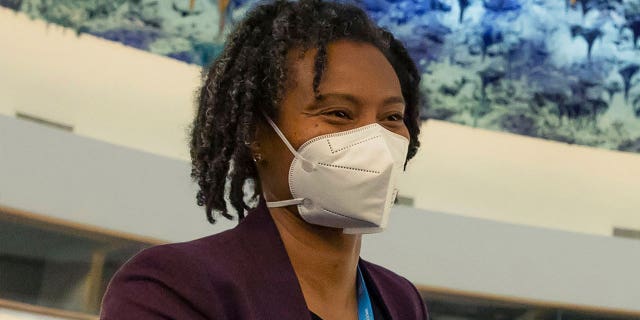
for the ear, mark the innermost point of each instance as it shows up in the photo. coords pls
(261, 143)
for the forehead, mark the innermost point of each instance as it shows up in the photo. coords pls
(352, 67)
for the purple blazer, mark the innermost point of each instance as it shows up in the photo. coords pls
(242, 273)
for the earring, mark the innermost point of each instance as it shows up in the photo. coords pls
(257, 157)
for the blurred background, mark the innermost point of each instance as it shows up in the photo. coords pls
(523, 202)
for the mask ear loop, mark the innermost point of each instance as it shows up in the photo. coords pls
(307, 165)
(285, 203)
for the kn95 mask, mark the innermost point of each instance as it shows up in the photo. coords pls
(346, 179)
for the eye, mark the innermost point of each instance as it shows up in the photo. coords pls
(342, 114)
(395, 117)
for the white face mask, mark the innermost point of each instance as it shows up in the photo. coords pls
(346, 179)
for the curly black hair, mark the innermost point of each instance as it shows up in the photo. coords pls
(249, 76)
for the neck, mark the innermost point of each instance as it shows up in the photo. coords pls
(324, 259)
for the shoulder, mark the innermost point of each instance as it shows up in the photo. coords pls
(398, 293)
(175, 280)
(190, 260)
(182, 260)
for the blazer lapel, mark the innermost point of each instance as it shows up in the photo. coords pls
(275, 291)
(374, 283)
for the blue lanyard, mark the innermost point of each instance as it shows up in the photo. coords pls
(365, 311)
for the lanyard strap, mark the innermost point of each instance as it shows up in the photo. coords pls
(365, 311)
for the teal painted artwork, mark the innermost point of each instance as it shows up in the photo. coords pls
(564, 70)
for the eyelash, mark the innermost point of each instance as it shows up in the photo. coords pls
(398, 115)
(346, 115)
(335, 113)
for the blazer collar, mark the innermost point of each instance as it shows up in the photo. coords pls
(277, 293)
(275, 288)
(375, 284)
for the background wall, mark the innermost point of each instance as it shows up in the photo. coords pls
(105, 90)
(510, 178)
(84, 180)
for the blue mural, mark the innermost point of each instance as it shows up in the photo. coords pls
(565, 70)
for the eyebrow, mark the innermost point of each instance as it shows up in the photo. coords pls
(353, 99)
(393, 100)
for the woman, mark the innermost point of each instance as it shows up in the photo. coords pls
(314, 109)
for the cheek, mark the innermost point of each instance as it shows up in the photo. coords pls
(406, 134)
(280, 157)
(307, 129)
(403, 131)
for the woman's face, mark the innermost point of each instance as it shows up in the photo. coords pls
(359, 87)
